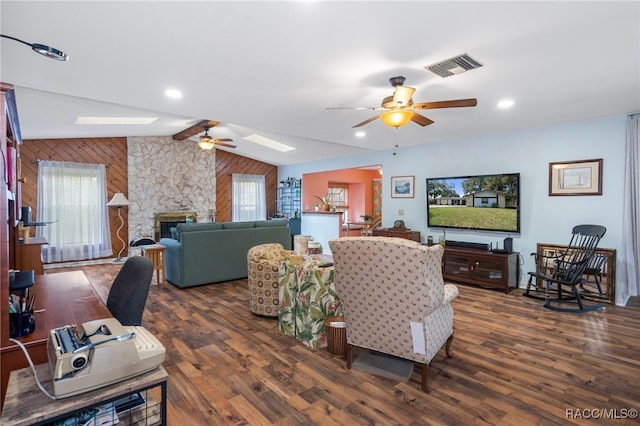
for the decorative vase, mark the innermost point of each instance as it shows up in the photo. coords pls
(326, 207)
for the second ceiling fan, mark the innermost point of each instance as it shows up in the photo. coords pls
(206, 142)
(399, 109)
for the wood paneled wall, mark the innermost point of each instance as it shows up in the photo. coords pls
(113, 153)
(227, 164)
(109, 151)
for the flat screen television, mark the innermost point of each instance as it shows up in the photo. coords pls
(480, 202)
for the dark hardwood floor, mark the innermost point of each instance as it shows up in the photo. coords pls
(514, 363)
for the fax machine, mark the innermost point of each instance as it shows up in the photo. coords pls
(99, 353)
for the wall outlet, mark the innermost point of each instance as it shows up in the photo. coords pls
(400, 212)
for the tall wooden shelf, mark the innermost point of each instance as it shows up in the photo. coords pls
(11, 198)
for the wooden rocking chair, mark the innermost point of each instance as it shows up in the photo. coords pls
(566, 268)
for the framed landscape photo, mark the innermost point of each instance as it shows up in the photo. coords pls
(582, 177)
(403, 186)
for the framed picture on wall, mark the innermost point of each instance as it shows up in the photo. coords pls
(403, 186)
(582, 177)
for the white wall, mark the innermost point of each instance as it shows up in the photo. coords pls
(543, 218)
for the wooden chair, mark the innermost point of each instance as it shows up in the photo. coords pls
(367, 231)
(566, 268)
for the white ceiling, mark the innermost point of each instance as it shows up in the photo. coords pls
(273, 68)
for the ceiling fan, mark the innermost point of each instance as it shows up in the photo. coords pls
(399, 108)
(206, 142)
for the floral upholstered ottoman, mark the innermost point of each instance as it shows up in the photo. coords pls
(307, 296)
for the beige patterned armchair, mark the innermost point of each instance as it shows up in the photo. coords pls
(263, 263)
(394, 299)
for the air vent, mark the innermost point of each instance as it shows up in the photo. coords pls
(455, 65)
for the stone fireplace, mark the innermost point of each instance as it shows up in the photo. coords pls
(163, 222)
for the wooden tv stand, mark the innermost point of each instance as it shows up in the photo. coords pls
(480, 267)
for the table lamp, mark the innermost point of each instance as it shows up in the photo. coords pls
(119, 200)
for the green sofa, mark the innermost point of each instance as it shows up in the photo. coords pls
(204, 253)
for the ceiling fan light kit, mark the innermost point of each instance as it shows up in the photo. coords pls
(400, 108)
(397, 117)
(206, 145)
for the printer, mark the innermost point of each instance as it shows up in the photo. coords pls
(99, 353)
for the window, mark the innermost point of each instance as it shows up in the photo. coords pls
(338, 194)
(248, 199)
(73, 196)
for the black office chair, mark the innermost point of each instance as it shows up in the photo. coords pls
(130, 289)
(566, 268)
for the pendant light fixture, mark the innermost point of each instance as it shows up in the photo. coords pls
(42, 49)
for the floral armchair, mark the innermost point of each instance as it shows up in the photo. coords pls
(307, 297)
(263, 265)
(394, 298)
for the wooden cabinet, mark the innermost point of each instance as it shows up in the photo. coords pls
(482, 268)
(407, 234)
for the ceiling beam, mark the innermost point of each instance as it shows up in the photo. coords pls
(195, 129)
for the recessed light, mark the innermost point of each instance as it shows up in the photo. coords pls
(505, 103)
(173, 93)
(361, 134)
(115, 120)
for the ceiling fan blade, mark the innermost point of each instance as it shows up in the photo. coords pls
(371, 108)
(367, 121)
(447, 104)
(227, 145)
(402, 95)
(421, 119)
(224, 140)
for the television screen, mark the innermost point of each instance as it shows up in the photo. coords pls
(482, 202)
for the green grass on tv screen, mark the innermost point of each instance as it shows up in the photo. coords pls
(473, 217)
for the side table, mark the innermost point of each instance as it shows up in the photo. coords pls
(155, 252)
(26, 405)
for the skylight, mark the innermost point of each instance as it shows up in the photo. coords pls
(269, 143)
(115, 120)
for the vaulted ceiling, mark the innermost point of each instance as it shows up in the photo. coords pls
(275, 68)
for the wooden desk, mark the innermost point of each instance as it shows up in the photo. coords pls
(407, 234)
(30, 255)
(26, 405)
(155, 252)
(66, 298)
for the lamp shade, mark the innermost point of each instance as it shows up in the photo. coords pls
(396, 117)
(118, 200)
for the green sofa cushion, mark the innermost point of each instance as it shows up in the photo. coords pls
(238, 225)
(197, 227)
(271, 223)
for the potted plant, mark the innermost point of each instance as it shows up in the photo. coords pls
(367, 218)
(324, 203)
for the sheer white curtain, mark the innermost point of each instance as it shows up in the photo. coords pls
(74, 197)
(249, 199)
(630, 273)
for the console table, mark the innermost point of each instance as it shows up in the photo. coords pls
(62, 299)
(407, 234)
(481, 267)
(26, 405)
